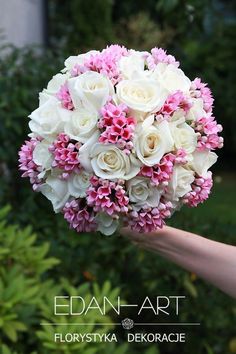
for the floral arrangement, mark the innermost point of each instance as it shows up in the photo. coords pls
(121, 137)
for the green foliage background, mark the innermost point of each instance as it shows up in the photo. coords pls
(201, 33)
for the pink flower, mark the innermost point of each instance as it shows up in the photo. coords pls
(150, 219)
(26, 163)
(106, 62)
(201, 189)
(109, 197)
(209, 129)
(118, 129)
(161, 173)
(64, 96)
(200, 90)
(80, 216)
(210, 142)
(173, 103)
(65, 154)
(159, 55)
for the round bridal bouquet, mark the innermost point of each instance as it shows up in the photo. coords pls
(121, 137)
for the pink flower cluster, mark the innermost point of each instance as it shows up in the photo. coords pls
(27, 165)
(209, 129)
(65, 155)
(161, 173)
(105, 62)
(107, 196)
(80, 216)
(200, 90)
(159, 55)
(119, 129)
(174, 102)
(150, 219)
(201, 189)
(64, 96)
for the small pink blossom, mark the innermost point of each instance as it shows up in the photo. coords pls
(65, 155)
(209, 129)
(105, 62)
(201, 189)
(109, 197)
(63, 95)
(27, 165)
(159, 55)
(173, 103)
(119, 129)
(200, 90)
(210, 142)
(161, 173)
(150, 219)
(80, 216)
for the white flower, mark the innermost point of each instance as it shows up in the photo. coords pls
(53, 87)
(184, 137)
(77, 59)
(132, 65)
(196, 111)
(202, 161)
(90, 90)
(42, 156)
(82, 125)
(171, 78)
(141, 95)
(106, 224)
(180, 183)
(49, 119)
(109, 162)
(55, 190)
(78, 184)
(85, 150)
(141, 192)
(151, 142)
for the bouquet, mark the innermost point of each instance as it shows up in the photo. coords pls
(121, 137)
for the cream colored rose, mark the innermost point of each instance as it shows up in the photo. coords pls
(53, 87)
(106, 224)
(196, 111)
(180, 183)
(184, 137)
(151, 141)
(82, 125)
(42, 156)
(202, 161)
(109, 162)
(77, 60)
(132, 65)
(141, 192)
(55, 190)
(78, 184)
(142, 95)
(90, 90)
(49, 119)
(171, 78)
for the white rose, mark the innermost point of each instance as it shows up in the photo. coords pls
(90, 90)
(141, 192)
(171, 78)
(78, 184)
(53, 87)
(82, 125)
(196, 111)
(202, 161)
(55, 190)
(180, 183)
(132, 65)
(151, 142)
(109, 162)
(106, 224)
(42, 156)
(77, 59)
(142, 95)
(184, 137)
(49, 119)
(85, 150)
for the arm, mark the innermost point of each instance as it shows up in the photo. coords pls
(210, 260)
